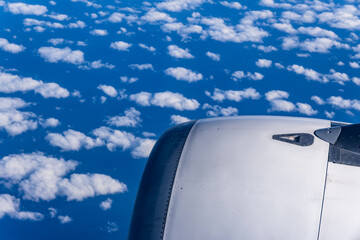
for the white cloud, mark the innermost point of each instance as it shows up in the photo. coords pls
(338, 77)
(309, 74)
(271, 3)
(50, 122)
(26, 9)
(97, 64)
(116, 17)
(141, 98)
(284, 27)
(234, 5)
(319, 45)
(59, 17)
(58, 41)
(55, 55)
(10, 83)
(143, 149)
(52, 212)
(278, 104)
(317, 32)
(354, 65)
(216, 110)
(77, 24)
(266, 49)
(81, 186)
(356, 80)
(306, 109)
(177, 119)
(318, 100)
(106, 205)
(108, 90)
(329, 114)
(154, 16)
(213, 56)
(263, 63)
(145, 66)
(131, 118)
(149, 48)
(114, 139)
(72, 140)
(126, 79)
(111, 227)
(99, 32)
(179, 5)
(276, 94)
(9, 205)
(183, 30)
(120, 46)
(165, 99)
(183, 74)
(344, 17)
(233, 95)
(64, 219)
(308, 16)
(341, 103)
(10, 47)
(178, 52)
(252, 76)
(39, 177)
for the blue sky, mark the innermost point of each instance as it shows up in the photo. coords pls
(86, 88)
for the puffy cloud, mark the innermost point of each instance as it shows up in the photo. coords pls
(39, 177)
(126, 79)
(116, 17)
(81, 186)
(34, 22)
(52, 212)
(10, 47)
(216, 110)
(54, 55)
(59, 17)
(72, 140)
(143, 149)
(263, 63)
(354, 65)
(120, 46)
(284, 27)
(235, 5)
(356, 80)
(345, 17)
(64, 219)
(276, 94)
(58, 41)
(308, 16)
(240, 75)
(177, 119)
(233, 95)
(319, 45)
(245, 31)
(317, 32)
(329, 114)
(179, 5)
(9, 205)
(183, 30)
(165, 99)
(213, 56)
(278, 104)
(10, 83)
(154, 16)
(131, 118)
(99, 32)
(337, 77)
(108, 90)
(141, 98)
(145, 66)
(77, 24)
(96, 65)
(26, 9)
(183, 74)
(50, 122)
(339, 102)
(178, 52)
(318, 100)
(149, 48)
(114, 139)
(106, 205)
(309, 74)
(271, 3)
(265, 49)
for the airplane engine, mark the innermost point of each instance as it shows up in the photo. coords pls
(251, 177)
